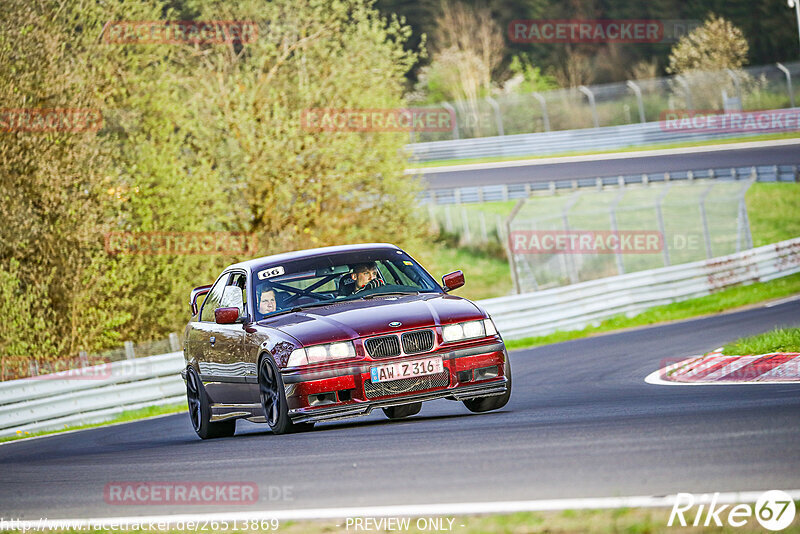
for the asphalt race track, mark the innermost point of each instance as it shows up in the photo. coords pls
(591, 168)
(581, 423)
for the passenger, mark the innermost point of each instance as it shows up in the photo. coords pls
(267, 302)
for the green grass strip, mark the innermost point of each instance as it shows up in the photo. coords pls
(778, 340)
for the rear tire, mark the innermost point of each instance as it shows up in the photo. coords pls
(400, 412)
(495, 402)
(200, 410)
(273, 399)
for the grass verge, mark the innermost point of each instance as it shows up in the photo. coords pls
(486, 274)
(727, 299)
(778, 340)
(662, 146)
(124, 417)
(613, 521)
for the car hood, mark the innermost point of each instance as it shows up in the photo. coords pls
(358, 318)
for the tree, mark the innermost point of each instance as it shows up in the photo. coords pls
(195, 138)
(701, 58)
(299, 188)
(716, 45)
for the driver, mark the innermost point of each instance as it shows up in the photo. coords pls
(366, 276)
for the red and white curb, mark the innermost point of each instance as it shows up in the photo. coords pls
(716, 368)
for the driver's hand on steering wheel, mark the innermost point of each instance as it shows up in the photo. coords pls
(372, 284)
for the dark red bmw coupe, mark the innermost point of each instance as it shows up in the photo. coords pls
(332, 333)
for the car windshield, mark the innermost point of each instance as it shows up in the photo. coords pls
(337, 277)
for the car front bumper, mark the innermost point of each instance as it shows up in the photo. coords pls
(461, 384)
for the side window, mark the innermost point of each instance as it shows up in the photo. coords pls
(212, 300)
(234, 294)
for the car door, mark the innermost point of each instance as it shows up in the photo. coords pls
(201, 330)
(225, 366)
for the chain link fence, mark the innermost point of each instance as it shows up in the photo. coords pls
(615, 104)
(588, 235)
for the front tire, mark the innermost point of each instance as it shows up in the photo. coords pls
(273, 399)
(400, 412)
(200, 410)
(495, 402)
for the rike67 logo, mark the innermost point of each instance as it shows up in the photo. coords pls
(774, 510)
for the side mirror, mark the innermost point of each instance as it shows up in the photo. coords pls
(226, 315)
(453, 281)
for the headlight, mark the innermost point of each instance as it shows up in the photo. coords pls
(322, 353)
(452, 332)
(469, 330)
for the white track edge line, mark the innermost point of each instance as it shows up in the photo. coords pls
(415, 510)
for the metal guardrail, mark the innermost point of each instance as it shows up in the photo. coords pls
(51, 402)
(578, 305)
(559, 142)
(91, 394)
(500, 192)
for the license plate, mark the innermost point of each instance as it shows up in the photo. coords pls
(400, 370)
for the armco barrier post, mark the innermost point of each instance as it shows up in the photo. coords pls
(448, 220)
(738, 86)
(745, 220)
(129, 354)
(512, 260)
(498, 117)
(681, 80)
(467, 235)
(571, 270)
(432, 217)
(660, 216)
(545, 116)
(612, 211)
(639, 100)
(452, 110)
(788, 75)
(704, 217)
(590, 95)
